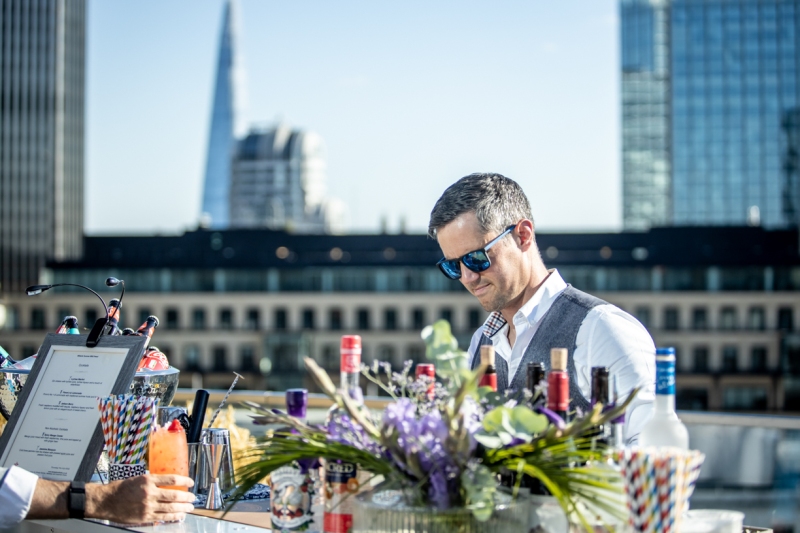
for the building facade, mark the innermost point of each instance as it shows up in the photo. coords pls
(258, 301)
(709, 98)
(42, 80)
(278, 181)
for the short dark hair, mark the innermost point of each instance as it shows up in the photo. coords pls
(496, 200)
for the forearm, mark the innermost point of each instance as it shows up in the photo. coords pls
(49, 500)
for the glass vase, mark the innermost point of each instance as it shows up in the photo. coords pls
(387, 511)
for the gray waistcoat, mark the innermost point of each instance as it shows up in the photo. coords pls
(559, 329)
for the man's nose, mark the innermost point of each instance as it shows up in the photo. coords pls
(467, 275)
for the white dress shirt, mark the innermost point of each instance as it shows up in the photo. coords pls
(608, 336)
(16, 494)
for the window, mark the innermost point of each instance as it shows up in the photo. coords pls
(63, 312)
(643, 315)
(418, 318)
(671, 319)
(335, 319)
(745, 399)
(758, 359)
(692, 399)
(390, 319)
(699, 318)
(27, 351)
(247, 359)
(756, 319)
(728, 319)
(253, 319)
(220, 359)
(191, 358)
(362, 318)
(280, 319)
(308, 318)
(386, 352)
(144, 312)
(700, 357)
(416, 353)
(446, 313)
(91, 317)
(785, 319)
(12, 319)
(474, 317)
(198, 318)
(37, 318)
(226, 318)
(730, 359)
(330, 357)
(172, 319)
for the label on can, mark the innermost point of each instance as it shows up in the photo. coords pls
(341, 484)
(291, 495)
(665, 374)
(153, 360)
(351, 361)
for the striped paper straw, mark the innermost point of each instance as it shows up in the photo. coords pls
(138, 407)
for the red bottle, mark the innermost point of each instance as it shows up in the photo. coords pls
(558, 383)
(427, 369)
(489, 378)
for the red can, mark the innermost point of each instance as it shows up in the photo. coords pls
(153, 360)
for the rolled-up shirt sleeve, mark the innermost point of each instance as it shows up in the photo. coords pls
(17, 486)
(612, 338)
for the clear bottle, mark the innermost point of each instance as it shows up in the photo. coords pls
(344, 480)
(665, 428)
(293, 487)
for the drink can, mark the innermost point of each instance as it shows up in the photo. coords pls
(153, 360)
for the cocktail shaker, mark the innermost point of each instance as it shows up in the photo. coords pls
(198, 467)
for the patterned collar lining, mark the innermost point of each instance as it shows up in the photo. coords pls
(493, 324)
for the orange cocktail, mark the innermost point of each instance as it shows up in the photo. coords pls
(169, 453)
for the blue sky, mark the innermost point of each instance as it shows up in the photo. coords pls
(408, 96)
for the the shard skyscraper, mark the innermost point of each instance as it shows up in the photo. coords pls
(226, 122)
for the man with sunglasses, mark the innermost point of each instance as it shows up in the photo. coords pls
(484, 226)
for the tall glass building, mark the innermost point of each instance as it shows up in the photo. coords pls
(711, 123)
(42, 80)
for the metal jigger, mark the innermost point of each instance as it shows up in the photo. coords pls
(213, 453)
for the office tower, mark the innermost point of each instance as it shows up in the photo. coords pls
(42, 79)
(278, 181)
(226, 121)
(709, 112)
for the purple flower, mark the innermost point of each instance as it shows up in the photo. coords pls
(438, 491)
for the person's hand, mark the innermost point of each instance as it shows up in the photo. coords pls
(138, 499)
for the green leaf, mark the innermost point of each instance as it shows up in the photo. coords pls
(479, 485)
(526, 421)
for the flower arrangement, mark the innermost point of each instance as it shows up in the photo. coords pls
(446, 445)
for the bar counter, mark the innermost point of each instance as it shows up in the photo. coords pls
(196, 522)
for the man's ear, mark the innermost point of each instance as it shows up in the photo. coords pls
(524, 234)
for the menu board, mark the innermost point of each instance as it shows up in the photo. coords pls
(54, 430)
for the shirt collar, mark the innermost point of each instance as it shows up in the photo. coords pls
(534, 309)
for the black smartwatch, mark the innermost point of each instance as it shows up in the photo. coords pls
(77, 499)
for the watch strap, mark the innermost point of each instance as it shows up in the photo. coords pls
(77, 499)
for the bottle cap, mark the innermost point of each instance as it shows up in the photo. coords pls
(665, 351)
(425, 369)
(351, 342)
(558, 359)
(487, 355)
(297, 402)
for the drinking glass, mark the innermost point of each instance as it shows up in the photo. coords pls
(169, 453)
